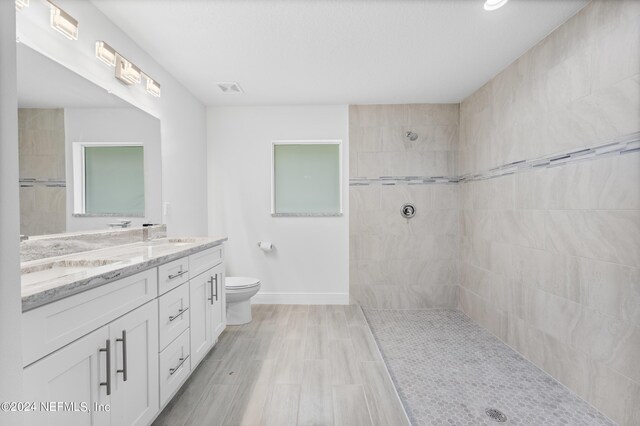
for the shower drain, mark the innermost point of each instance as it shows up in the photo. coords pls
(496, 415)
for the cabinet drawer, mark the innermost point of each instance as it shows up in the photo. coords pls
(172, 274)
(205, 260)
(173, 314)
(57, 324)
(175, 366)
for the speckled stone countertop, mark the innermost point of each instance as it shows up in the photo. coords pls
(47, 280)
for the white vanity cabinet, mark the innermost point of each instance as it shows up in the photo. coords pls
(72, 374)
(135, 384)
(110, 365)
(207, 313)
(117, 353)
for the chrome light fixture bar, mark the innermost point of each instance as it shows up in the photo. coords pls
(106, 53)
(126, 72)
(153, 87)
(21, 3)
(64, 23)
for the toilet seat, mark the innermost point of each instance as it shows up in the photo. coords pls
(240, 283)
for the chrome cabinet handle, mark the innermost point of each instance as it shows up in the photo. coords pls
(108, 382)
(210, 281)
(174, 369)
(123, 339)
(179, 314)
(216, 288)
(178, 274)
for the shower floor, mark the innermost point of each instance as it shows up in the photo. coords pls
(448, 370)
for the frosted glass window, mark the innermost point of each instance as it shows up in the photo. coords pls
(114, 179)
(306, 179)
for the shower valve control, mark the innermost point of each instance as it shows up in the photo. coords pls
(408, 211)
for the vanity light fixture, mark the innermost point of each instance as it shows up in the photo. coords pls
(21, 3)
(490, 5)
(126, 72)
(106, 53)
(153, 87)
(64, 23)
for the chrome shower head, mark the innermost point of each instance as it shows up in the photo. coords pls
(412, 136)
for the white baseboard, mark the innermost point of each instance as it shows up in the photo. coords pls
(300, 299)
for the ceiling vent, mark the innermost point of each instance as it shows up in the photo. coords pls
(230, 87)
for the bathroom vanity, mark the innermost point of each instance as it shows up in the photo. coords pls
(114, 333)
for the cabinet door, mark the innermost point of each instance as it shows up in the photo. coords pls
(134, 339)
(200, 317)
(218, 304)
(73, 374)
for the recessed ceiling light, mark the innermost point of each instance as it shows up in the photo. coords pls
(230, 87)
(494, 4)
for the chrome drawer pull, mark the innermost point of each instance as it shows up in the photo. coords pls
(108, 382)
(178, 274)
(123, 339)
(179, 314)
(216, 287)
(173, 370)
(210, 281)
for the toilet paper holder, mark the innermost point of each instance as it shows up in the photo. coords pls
(265, 246)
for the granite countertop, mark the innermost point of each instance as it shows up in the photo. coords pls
(47, 280)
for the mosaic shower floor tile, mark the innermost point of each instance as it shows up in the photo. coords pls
(448, 371)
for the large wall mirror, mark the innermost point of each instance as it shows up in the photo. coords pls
(87, 157)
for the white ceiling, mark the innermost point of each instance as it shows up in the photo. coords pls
(44, 83)
(336, 51)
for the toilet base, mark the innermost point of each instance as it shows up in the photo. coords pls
(239, 313)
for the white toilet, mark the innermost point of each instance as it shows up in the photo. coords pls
(239, 291)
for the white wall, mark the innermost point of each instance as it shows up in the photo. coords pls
(311, 260)
(182, 116)
(10, 305)
(115, 125)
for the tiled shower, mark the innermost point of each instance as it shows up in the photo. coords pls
(42, 171)
(527, 204)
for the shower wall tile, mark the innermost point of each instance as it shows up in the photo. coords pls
(395, 262)
(611, 289)
(550, 258)
(41, 146)
(599, 184)
(609, 235)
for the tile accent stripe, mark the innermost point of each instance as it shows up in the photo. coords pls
(52, 183)
(622, 145)
(403, 180)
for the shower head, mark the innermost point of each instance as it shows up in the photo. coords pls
(412, 136)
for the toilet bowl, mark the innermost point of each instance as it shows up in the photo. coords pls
(239, 291)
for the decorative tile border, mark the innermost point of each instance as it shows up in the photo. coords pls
(51, 183)
(620, 146)
(403, 180)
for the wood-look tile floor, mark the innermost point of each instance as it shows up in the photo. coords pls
(292, 365)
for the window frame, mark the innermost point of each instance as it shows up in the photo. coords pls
(79, 184)
(337, 142)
